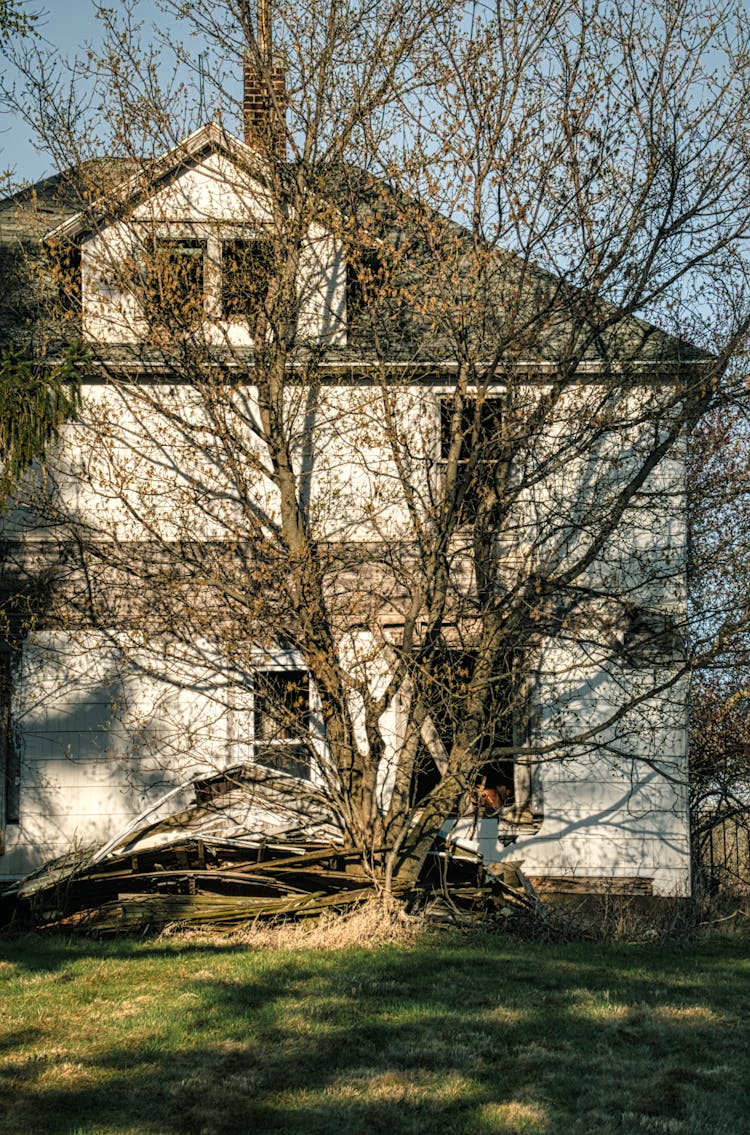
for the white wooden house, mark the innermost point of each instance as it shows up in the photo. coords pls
(94, 730)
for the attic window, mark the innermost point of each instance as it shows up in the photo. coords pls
(67, 274)
(247, 269)
(282, 721)
(364, 276)
(176, 281)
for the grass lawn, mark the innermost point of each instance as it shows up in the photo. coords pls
(176, 1037)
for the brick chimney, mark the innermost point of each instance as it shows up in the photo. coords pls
(264, 95)
(264, 107)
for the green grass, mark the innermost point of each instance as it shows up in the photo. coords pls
(178, 1037)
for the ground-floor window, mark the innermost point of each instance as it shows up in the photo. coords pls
(504, 775)
(281, 721)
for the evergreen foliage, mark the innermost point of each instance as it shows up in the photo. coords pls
(36, 399)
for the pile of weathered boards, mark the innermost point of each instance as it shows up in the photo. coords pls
(226, 857)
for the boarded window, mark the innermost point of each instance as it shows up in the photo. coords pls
(247, 267)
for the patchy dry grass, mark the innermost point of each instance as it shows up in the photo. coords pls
(372, 923)
(441, 1034)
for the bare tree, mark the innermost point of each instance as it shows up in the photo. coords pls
(404, 424)
(719, 783)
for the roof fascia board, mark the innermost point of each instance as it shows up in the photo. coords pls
(429, 373)
(208, 138)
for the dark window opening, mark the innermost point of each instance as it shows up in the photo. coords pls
(488, 425)
(502, 784)
(247, 268)
(364, 278)
(425, 776)
(67, 275)
(448, 686)
(496, 785)
(175, 290)
(486, 418)
(650, 638)
(282, 721)
(9, 754)
(496, 779)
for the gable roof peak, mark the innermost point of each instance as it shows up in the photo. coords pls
(209, 138)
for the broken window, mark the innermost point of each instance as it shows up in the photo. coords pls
(247, 267)
(480, 426)
(503, 772)
(282, 721)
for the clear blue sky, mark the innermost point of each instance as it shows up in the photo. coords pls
(66, 25)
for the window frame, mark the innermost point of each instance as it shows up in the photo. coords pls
(304, 747)
(10, 757)
(494, 406)
(210, 310)
(505, 785)
(256, 239)
(189, 304)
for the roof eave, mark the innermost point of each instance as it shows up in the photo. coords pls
(210, 137)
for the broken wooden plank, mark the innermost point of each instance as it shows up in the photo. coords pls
(137, 911)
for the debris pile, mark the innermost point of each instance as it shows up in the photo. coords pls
(242, 849)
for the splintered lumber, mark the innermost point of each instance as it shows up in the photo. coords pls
(238, 878)
(170, 871)
(215, 856)
(196, 881)
(282, 863)
(132, 912)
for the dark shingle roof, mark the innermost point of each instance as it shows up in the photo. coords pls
(508, 308)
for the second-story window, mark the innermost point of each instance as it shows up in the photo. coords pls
(485, 416)
(66, 272)
(247, 266)
(481, 431)
(364, 284)
(176, 283)
(190, 279)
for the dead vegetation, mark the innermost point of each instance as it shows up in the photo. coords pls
(374, 922)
